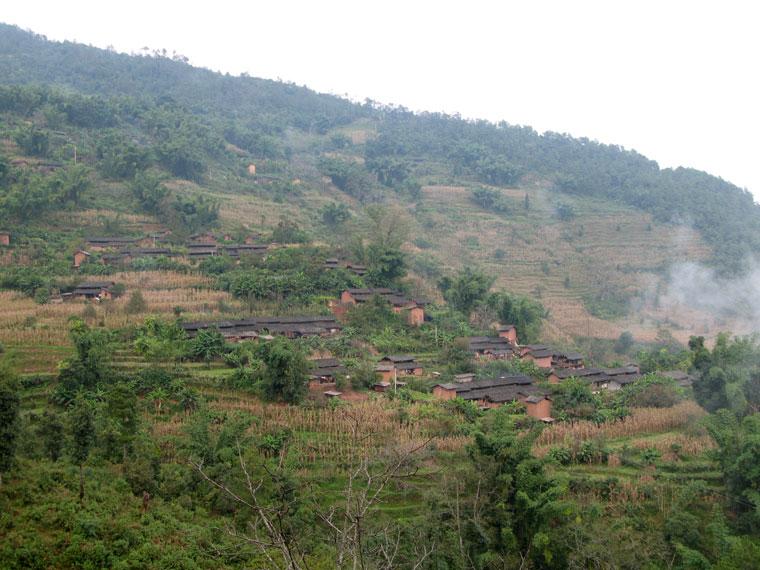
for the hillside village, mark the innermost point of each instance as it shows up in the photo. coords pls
(252, 326)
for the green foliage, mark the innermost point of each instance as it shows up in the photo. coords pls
(348, 176)
(149, 190)
(522, 501)
(89, 367)
(524, 313)
(286, 371)
(51, 433)
(195, 213)
(624, 343)
(159, 340)
(739, 457)
(651, 391)
(136, 303)
(207, 345)
(335, 214)
(466, 290)
(490, 200)
(288, 232)
(10, 404)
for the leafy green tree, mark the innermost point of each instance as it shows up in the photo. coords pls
(121, 409)
(160, 340)
(136, 303)
(522, 501)
(624, 343)
(89, 366)
(526, 314)
(335, 214)
(51, 433)
(286, 371)
(10, 404)
(739, 457)
(466, 290)
(207, 345)
(82, 426)
(149, 190)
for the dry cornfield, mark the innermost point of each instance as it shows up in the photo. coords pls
(338, 435)
(641, 421)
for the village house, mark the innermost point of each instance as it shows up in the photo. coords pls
(325, 371)
(572, 360)
(244, 249)
(103, 243)
(494, 392)
(392, 367)
(508, 332)
(5, 238)
(80, 256)
(354, 268)
(490, 347)
(540, 354)
(266, 327)
(683, 379)
(414, 309)
(200, 250)
(598, 378)
(95, 290)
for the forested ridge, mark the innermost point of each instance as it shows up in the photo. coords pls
(253, 113)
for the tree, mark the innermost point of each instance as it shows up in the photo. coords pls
(10, 404)
(51, 434)
(286, 372)
(522, 501)
(82, 426)
(121, 409)
(89, 366)
(207, 345)
(624, 343)
(136, 303)
(526, 314)
(468, 288)
(149, 190)
(335, 214)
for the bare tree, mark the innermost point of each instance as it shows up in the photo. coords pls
(367, 479)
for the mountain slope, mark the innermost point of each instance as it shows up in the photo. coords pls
(590, 229)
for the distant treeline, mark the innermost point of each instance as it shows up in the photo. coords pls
(191, 114)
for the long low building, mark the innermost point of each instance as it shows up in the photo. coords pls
(599, 378)
(491, 347)
(291, 327)
(494, 392)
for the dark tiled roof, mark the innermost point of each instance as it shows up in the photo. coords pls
(297, 325)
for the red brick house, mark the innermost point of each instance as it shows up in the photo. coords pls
(495, 392)
(509, 332)
(96, 290)
(392, 367)
(539, 354)
(5, 238)
(80, 256)
(414, 309)
(490, 347)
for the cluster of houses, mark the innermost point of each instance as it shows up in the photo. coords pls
(413, 309)
(121, 250)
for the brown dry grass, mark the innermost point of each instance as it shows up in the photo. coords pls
(641, 421)
(324, 434)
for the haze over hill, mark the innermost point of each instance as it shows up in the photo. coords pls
(590, 229)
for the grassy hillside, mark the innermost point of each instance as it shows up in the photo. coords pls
(202, 130)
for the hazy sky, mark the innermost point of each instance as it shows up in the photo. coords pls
(677, 81)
